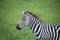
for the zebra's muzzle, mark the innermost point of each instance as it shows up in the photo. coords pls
(17, 27)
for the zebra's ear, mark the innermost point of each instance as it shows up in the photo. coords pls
(25, 12)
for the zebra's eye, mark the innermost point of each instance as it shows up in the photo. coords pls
(24, 18)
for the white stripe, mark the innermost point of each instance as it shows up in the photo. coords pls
(53, 32)
(33, 26)
(50, 29)
(36, 27)
(56, 26)
(39, 35)
(39, 31)
(57, 33)
(47, 30)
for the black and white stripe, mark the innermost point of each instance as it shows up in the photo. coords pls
(41, 30)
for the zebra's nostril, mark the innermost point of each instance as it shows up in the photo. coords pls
(18, 27)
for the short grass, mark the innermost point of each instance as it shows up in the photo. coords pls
(10, 14)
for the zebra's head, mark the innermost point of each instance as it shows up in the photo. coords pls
(24, 20)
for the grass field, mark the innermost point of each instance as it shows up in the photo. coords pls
(10, 14)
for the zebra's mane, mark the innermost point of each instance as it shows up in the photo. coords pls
(34, 15)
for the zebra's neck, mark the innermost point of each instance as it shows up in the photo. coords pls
(34, 24)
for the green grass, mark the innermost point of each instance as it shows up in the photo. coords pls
(10, 14)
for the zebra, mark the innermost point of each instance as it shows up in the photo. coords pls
(40, 29)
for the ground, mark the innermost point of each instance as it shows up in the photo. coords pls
(11, 12)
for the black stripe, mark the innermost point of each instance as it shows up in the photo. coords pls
(34, 27)
(58, 32)
(58, 35)
(37, 28)
(58, 26)
(32, 24)
(55, 31)
(52, 30)
(49, 30)
(39, 32)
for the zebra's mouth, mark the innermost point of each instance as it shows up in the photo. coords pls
(18, 28)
